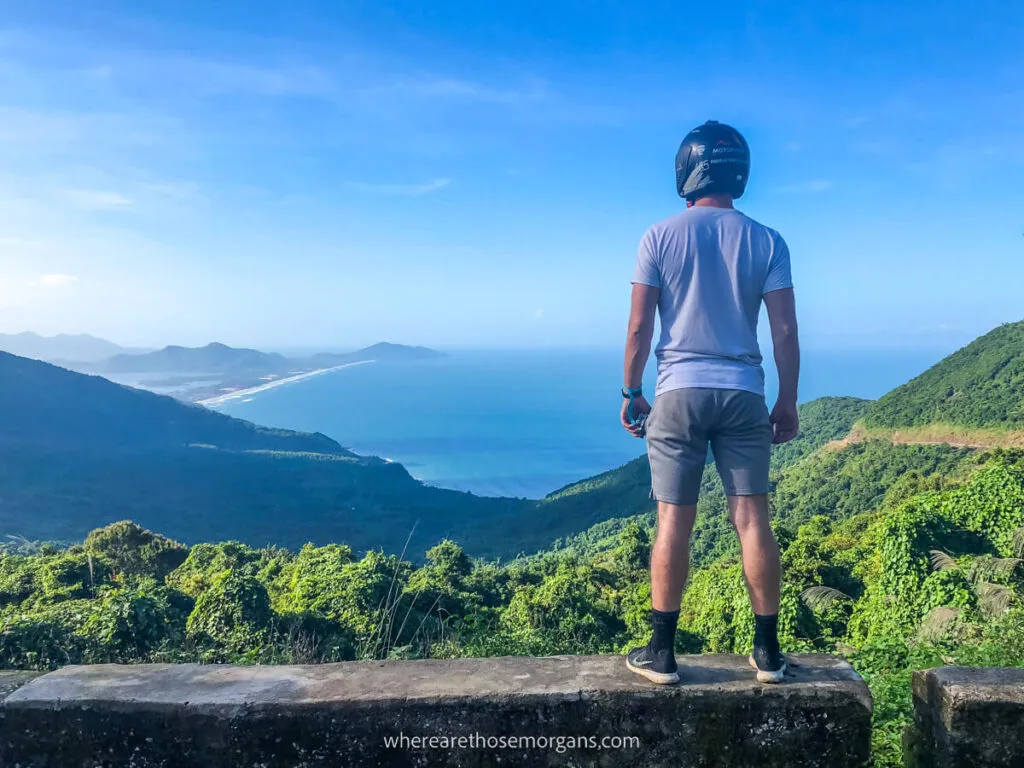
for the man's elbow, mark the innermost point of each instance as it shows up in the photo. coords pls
(785, 333)
(639, 331)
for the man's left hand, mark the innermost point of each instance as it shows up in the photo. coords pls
(640, 407)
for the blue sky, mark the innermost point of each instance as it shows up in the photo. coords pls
(479, 174)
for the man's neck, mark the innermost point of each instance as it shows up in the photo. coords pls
(712, 201)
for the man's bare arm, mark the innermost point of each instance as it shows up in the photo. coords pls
(640, 332)
(781, 307)
(643, 308)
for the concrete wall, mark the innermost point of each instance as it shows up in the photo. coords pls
(967, 716)
(179, 716)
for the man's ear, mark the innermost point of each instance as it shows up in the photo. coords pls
(689, 203)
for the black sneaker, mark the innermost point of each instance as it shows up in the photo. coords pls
(657, 666)
(771, 667)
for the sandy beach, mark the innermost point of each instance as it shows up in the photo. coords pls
(241, 393)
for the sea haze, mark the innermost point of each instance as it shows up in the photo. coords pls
(515, 423)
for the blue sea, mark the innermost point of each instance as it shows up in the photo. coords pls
(515, 423)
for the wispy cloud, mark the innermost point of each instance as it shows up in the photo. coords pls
(408, 190)
(56, 280)
(434, 87)
(95, 199)
(805, 187)
(213, 77)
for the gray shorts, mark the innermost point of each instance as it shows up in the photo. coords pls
(682, 425)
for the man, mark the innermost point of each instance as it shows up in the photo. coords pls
(706, 271)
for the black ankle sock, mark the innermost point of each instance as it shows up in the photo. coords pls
(766, 632)
(664, 625)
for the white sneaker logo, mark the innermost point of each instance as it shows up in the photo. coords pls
(644, 663)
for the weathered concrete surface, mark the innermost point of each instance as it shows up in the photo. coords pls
(340, 714)
(12, 680)
(968, 716)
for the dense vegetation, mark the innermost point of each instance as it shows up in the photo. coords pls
(981, 385)
(929, 575)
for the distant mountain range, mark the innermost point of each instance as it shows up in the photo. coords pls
(81, 347)
(90, 354)
(220, 358)
(213, 358)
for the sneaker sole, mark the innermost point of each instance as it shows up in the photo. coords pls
(661, 678)
(764, 676)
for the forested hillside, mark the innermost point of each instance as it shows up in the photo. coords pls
(77, 452)
(46, 407)
(981, 386)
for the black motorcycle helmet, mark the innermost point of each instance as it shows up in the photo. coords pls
(713, 159)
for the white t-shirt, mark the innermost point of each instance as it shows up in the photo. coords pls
(713, 266)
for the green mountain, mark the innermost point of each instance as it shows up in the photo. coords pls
(44, 406)
(979, 386)
(77, 452)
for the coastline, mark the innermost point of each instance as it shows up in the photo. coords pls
(239, 393)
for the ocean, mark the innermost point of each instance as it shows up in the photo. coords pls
(515, 423)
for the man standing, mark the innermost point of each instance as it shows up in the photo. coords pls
(706, 271)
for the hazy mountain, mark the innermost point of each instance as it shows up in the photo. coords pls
(213, 358)
(382, 352)
(81, 347)
(220, 358)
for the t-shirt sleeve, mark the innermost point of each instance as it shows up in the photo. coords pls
(779, 275)
(647, 271)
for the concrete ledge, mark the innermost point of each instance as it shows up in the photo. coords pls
(968, 716)
(341, 714)
(12, 680)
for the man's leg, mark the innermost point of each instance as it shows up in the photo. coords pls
(749, 515)
(741, 443)
(670, 564)
(677, 449)
(670, 555)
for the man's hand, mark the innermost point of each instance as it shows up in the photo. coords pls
(640, 407)
(785, 421)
